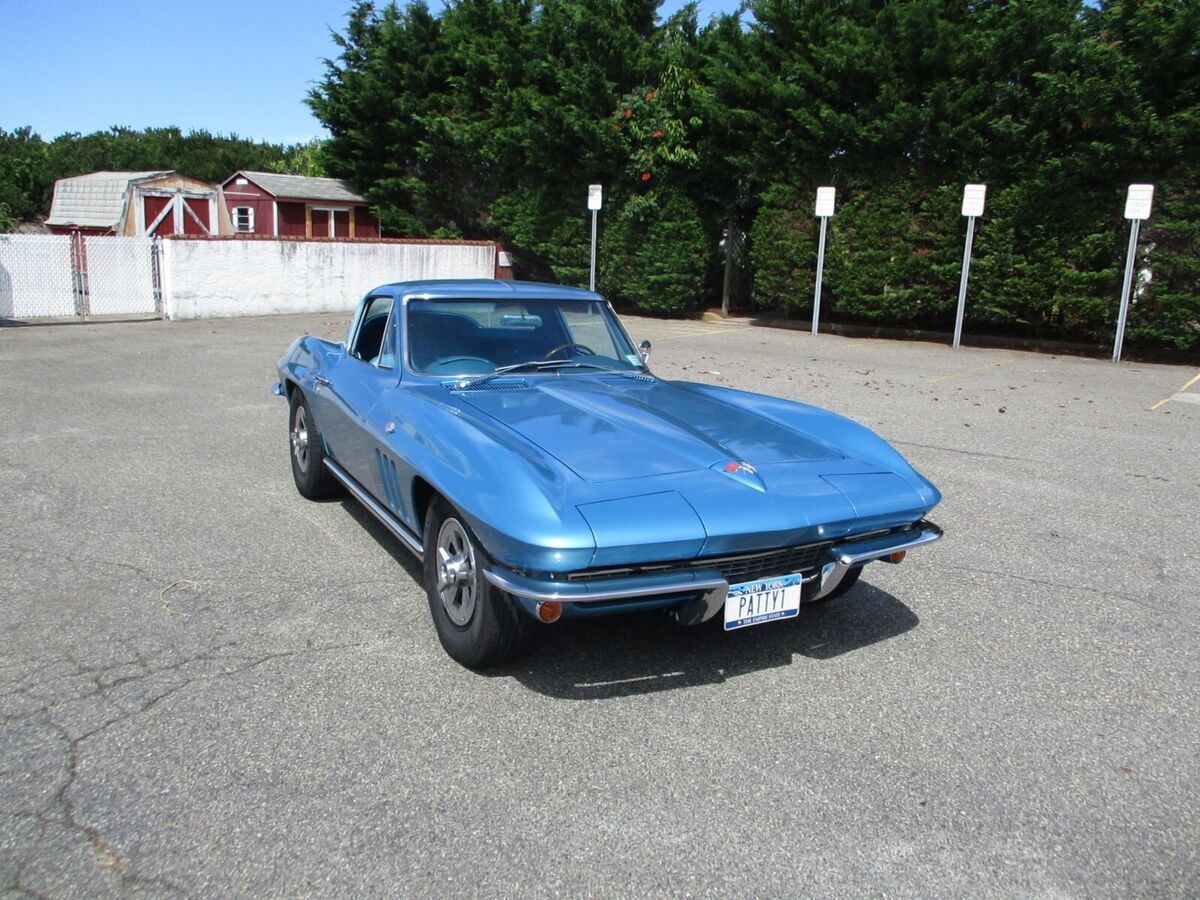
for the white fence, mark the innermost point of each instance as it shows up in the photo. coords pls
(120, 276)
(36, 277)
(259, 278)
(56, 276)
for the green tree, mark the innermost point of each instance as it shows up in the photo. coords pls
(654, 253)
(24, 175)
(303, 159)
(489, 118)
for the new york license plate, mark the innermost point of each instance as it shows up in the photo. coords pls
(755, 602)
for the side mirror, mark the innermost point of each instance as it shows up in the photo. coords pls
(644, 351)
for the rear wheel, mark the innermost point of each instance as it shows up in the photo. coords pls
(313, 480)
(478, 625)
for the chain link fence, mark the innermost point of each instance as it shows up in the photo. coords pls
(120, 275)
(37, 276)
(51, 276)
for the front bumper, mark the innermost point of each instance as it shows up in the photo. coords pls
(700, 593)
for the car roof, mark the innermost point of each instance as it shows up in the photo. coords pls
(483, 288)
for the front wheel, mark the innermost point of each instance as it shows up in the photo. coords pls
(477, 624)
(313, 480)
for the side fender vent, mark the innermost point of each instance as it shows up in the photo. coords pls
(391, 482)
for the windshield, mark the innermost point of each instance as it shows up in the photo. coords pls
(477, 337)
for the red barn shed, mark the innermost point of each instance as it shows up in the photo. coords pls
(296, 206)
(135, 203)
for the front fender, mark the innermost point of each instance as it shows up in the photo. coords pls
(306, 357)
(520, 503)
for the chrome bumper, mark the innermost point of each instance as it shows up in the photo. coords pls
(852, 554)
(709, 583)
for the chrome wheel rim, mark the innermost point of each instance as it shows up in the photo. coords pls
(300, 438)
(455, 568)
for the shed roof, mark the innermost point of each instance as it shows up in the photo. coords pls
(301, 187)
(96, 200)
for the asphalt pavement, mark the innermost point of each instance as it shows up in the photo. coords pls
(212, 687)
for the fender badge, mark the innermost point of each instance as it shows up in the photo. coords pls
(389, 427)
(733, 468)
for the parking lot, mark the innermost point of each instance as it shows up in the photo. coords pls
(210, 686)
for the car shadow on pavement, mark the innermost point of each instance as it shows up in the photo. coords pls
(618, 656)
(385, 539)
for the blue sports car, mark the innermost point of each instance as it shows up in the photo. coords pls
(512, 437)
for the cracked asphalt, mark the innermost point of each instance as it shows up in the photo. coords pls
(209, 686)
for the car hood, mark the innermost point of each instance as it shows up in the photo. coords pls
(606, 428)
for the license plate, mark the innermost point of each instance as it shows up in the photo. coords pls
(755, 602)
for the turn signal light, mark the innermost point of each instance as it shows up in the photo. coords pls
(549, 611)
(896, 557)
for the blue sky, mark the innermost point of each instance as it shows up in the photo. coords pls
(229, 67)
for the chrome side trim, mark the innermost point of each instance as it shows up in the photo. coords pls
(390, 522)
(856, 553)
(514, 584)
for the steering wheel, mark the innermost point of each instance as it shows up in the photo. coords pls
(582, 348)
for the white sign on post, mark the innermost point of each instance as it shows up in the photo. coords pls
(825, 198)
(1137, 208)
(595, 199)
(1138, 200)
(972, 208)
(973, 195)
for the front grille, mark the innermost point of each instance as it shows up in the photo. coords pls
(743, 567)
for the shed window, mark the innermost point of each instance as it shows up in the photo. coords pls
(243, 218)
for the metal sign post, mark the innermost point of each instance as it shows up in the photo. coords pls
(972, 208)
(825, 203)
(595, 200)
(1137, 207)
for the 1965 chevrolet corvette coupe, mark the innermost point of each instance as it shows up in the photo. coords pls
(511, 436)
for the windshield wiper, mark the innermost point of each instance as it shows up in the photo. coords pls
(537, 365)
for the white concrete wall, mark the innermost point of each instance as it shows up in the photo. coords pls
(203, 279)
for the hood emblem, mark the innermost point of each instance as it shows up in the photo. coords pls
(390, 427)
(737, 468)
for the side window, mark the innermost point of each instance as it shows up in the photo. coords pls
(243, 218)
(368, 343)
(387, 355)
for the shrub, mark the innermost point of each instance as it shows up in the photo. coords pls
(653, 253)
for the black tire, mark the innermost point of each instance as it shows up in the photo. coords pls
(307, 452)
(848, 581)
(478, 625)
